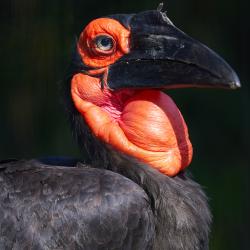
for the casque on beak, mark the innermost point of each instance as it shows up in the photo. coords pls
(162, 56)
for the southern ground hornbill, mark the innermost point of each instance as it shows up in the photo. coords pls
(131, 191)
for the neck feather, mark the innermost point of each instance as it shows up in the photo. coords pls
(182, 216)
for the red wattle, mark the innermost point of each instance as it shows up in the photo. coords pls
(152, 121)
(144, 124)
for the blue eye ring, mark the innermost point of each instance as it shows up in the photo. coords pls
(104, 44)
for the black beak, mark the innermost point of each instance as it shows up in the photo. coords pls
(162, 56)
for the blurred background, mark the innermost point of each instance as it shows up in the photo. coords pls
(35, 45)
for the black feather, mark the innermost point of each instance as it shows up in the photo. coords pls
(48, 207)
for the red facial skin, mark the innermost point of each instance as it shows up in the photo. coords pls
(145, 124)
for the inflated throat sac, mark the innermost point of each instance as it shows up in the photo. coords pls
(144, 124)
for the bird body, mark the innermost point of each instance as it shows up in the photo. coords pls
(131, 191)
(48, 207)
(81, 207)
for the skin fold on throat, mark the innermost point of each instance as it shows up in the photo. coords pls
(145, 124)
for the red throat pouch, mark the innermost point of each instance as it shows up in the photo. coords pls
(144, 124)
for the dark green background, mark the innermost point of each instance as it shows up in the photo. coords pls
(35, 44)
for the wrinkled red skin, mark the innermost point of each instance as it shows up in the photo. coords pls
(145, 124)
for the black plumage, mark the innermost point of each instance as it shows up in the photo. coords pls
(48, 207)
(81, 207)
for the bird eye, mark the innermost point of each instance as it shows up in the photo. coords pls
(104, 43)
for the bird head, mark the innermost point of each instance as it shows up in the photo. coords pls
(122, 66)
